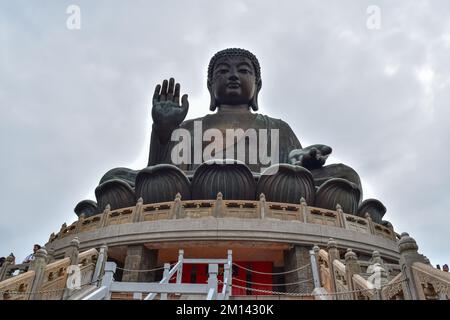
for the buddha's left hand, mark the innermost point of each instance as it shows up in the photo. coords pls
(312, 157)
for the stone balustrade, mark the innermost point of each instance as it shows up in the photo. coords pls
(416, 279)
(219, 208)
(46, 281)
(432, 284)
(17, 288)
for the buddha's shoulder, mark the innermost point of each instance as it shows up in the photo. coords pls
(258, 119)
(272, 121)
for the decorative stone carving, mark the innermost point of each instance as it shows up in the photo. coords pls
(393, 289)
(407, 244)
(86, 207)
(374, 208)
(289, 184)
(161, 183)
(338, 191)
(233, 179)
(117, 193)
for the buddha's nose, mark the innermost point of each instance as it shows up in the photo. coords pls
(233, 76)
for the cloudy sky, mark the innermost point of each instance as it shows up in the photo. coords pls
(76, 103)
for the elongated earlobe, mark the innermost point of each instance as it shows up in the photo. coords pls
(254, 101)
(212, 103)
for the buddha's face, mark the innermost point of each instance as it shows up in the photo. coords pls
(233, 81)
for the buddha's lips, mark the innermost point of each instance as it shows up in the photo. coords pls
(233, 85)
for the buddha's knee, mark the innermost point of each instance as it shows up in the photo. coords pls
(338, 184)
(124, 174)
(338, 170)
(116, 189)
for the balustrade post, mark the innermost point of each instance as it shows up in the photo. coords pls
(333, 254)
(137, 211)
(177, 208)
(341, 216)
(105, 216)
(73, 251)
(314, 255)
(408, 255)
(219, 207)
(166, 275)
(262, 206)
(304, 209)
(370, 222)
(100, 264)
(38, 266)
(351, 267)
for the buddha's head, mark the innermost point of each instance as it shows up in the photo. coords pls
(234, 78)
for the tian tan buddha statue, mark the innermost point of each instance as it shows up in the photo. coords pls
(234, 150)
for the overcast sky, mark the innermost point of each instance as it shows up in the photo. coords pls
(76, 103)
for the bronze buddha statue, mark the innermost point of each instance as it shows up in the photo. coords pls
(182, 146)
(234, 82)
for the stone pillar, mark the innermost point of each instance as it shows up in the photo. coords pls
(295, 258)
(177, 208)
(73, 251)
(38, 266)
(408, 255)
(105, 214)
(314, 255)
(351, 267)
(139, 258)
(219, 209)
(137, 211)
(304, 210)
(262, 206)
(341, 216)
(333, 254)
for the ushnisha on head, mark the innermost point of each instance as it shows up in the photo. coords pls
(234, 78)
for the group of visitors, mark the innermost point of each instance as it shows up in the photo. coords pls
(444, 267)
(27, 259)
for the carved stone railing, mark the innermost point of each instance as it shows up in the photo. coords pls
(415, 278)
(394, 289)
(49, 281)
(324, 269)
(366, 289)
(195, 209)
(18, 287)
(343, 280)
(340, 278)
(55, 277)
(431, 283)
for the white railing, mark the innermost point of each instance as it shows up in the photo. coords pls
(165, 287)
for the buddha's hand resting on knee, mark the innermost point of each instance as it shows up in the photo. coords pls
(312, 157)
(167, 112)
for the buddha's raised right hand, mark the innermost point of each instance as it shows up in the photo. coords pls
(167, 113)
